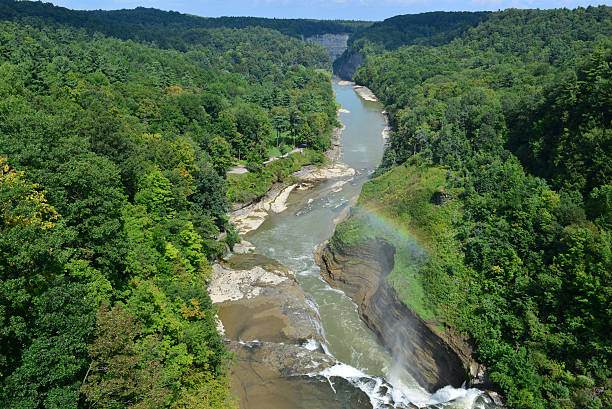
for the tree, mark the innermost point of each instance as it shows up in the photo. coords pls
(55, 361)
(27, 218)
(280, 117)
(305, 136)
(210, 193)
(32, 253)
(253, 124)
(155, 194)
(119, 202)
(88, 193)
(220, 152)
(296, 121)
(120, 374)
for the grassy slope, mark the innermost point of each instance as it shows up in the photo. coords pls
(399, 207)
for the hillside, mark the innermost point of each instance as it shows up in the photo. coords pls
(113, 156)
(433, 28)
(499, 167)
(167, 29)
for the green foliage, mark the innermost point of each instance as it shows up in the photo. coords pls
(109, 225)
(220, 151)
(250, 186)
(232, 237)
(435, 28)
(210, 192)
(426, 28)
(517, 223)
(169, 29)
(565, 136)
(120, 372)
(54, 362)
(398, 207)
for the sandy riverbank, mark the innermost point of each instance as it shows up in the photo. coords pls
(250, 217)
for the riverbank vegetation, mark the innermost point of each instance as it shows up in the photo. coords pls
(499, 168)
(113, 199)
(247, 187)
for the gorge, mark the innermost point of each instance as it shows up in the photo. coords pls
(344, 354)
(194, 213)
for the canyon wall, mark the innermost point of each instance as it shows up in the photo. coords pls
(335, 44)
(360, 270)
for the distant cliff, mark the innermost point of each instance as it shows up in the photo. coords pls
(347, 64)
(335, 44)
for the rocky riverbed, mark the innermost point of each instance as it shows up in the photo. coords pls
(257, 298)
(275, 333)
(268, 320)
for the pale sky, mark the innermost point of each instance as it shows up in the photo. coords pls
(321, 9)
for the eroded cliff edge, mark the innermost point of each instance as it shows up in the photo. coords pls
(360, 270)
(347, 64)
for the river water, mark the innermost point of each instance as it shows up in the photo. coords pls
(291, 237)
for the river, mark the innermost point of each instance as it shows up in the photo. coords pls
(291, 237)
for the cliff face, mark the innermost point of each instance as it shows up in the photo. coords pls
(335, 44)
(346, 65)
(360, 271)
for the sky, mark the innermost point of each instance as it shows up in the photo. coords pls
(320, 9)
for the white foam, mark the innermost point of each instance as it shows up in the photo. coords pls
(464, 397)
(327, 351)
(343, 371)
(301, 258)
(333, 290)
(251, 344)
(316, 322)
(313, 306)
(311, 345)
(382, 393)
(371, 385)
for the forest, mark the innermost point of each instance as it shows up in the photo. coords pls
(166, 29)
(500, 165)
(117, 130)
(433, 28)
(113, 198)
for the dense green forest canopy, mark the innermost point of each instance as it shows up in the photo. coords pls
(117, 129)
(433, 28)
(167, 29)
(113, 156)
(502, 137)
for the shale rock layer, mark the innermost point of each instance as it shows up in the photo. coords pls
(360, 271)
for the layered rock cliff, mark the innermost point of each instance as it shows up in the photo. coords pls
(347, 64)
(335, 44)
(360, 270)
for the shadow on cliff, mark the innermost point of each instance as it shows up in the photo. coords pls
(361, 269)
